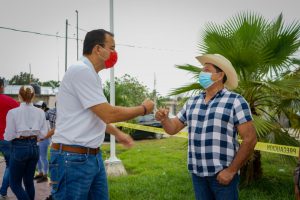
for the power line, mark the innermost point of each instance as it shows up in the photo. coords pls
(37, 33)
(133, 46)
(73, 38)
(78, 28)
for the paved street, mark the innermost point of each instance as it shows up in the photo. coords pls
(42, 190)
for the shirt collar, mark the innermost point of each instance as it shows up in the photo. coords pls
(219, 93)
(86, 61)
(25, 104)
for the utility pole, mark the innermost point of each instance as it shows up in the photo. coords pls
(66, 48)
(154, 94)
(77, 30)
(112, 87)
(29, 73)
(57, 56)
(58, 69)
(114, 166)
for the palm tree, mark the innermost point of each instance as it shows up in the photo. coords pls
(263, 54)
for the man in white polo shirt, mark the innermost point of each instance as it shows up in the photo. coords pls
(83, 116)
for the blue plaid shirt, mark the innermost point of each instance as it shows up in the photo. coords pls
(52, 117)
(212, 130)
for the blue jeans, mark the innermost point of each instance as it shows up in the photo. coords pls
(43, 163)
(208, 188)
(5, 150)
(23, 159)
(77, 176)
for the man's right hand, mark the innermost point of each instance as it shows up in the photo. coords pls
(149, 106)
(162, 114)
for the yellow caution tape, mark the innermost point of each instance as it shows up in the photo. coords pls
(149, 129)
(277, 149)
(267, 147)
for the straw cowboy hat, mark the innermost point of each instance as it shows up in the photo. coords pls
(224, 64)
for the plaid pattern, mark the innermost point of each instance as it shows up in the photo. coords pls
(212, 130)
(52, 117)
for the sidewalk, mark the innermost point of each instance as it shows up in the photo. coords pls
(42, 190)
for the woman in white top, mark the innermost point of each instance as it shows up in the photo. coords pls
(24, 126)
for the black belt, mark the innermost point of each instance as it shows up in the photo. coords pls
(32, 137)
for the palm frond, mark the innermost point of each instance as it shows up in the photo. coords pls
(190, 69)
(263, 127)
(188, 88)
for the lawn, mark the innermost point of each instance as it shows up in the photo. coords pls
(157, 170)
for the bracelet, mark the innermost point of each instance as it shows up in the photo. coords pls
(145, 109)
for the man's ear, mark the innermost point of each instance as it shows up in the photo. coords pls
(221, 75)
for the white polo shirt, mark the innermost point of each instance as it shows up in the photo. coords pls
(76, 124)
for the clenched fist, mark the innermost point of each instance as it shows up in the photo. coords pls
(162, 114)
(149, 105)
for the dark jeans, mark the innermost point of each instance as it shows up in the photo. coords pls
(208, 188)
(5, 150)
(23, 160)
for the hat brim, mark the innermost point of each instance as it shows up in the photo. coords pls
(225, 65)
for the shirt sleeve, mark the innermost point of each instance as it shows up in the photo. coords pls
(88, 89)
(10, 130)
(14, 104)
(44, 126)
(182, 114)
(242, 112)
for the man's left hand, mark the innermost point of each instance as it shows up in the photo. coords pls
(225, 176)
(125, 139)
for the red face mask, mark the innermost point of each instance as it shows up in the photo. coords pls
(111, 61)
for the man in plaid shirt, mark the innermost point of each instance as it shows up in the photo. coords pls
(52, 117)
(214, 118)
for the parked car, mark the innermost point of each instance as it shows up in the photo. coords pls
(147, 120)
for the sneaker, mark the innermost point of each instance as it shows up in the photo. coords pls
(38, 176)
(3, 197)
(42, 179)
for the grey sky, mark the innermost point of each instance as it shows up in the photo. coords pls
(151, 36)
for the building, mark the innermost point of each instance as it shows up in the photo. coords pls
(47, 94)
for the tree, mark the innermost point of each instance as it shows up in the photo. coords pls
(262, 53)
(160, 100)
(51, 83)
(128, 90)
(23, 78)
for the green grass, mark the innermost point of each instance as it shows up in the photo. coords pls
(277, 181)
(157, 170)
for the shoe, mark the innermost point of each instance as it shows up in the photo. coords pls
(42, 179)
(3, 197)
(38, 176)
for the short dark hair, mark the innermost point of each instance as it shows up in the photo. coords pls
(93, 38)
(219, 70)
(1, 82)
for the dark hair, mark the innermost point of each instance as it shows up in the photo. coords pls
(219, 70)
(93, 38)
(1, 82)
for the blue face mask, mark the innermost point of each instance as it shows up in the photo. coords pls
(205, 79)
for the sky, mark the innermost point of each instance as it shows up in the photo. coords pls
(152, 37)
